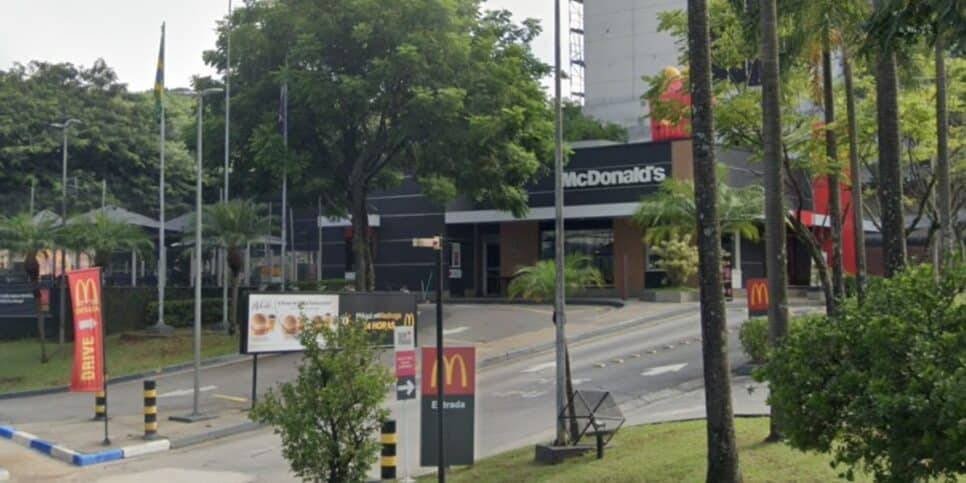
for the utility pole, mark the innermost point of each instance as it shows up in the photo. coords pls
(64, 127)
(559, 305)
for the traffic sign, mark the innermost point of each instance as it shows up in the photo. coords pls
(458, 377)
(405, 388)
(406, 363)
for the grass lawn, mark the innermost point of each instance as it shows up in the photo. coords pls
(20, 367)
(673, 452)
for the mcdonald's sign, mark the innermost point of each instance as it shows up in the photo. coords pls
(85, 295)
(757, 297)
(458, 374)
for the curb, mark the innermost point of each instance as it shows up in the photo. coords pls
(593, 334)
(608, 302)
(77, 458)
(130, 377)
(213, 435)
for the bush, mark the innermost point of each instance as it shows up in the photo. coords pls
(328, 417)
(678, 258)
(754, 335)
(882, 386)
(181, 312)
(326, 285)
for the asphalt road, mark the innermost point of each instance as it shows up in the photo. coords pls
(641, 367)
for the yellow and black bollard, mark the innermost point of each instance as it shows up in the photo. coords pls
(100, 405)
(150, 410)
(389, 441)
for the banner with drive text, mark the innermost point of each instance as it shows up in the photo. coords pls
(85, 298)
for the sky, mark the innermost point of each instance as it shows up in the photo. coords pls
(126, 34)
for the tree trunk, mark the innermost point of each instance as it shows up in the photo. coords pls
(360, 241)
(831, 152)
(943, 189)
(815, 252)
(890, 168)
(722, 448)
(855, 172)
(775, 237)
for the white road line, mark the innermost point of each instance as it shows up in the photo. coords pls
(539, 367)
(186, 392)
(654, 371)
(455, 330)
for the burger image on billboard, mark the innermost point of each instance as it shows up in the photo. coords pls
(261, 325)
(292, 325)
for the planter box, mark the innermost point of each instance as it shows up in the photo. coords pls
(670, 296)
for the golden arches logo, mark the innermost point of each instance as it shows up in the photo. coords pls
(758, 296)
(409, 320)
(86, 293)
(450, 363)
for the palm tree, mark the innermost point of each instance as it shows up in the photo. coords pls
(232, 225)
(671, 213)
(101, 237)
(537, 283)
(774, 179)
(29, 237)
(722, 448)
(890, 169)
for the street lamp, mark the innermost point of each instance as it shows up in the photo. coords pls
(64, 127)
(195, 414)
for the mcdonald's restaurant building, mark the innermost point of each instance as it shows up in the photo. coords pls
(603, 186)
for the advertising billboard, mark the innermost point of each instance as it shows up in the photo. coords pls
(458, 376)
(381, 312)
(86, 300)
(274, 322)
(757, 297)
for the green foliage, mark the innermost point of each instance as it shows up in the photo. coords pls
(754, 335)
(117, 142)
(537, 282)
(328, 417)
(181, 312)
(581, 127)
(671, 213)
(100, 236)
(882, 386)
(232, 225)
(678, 259)
(26, 237)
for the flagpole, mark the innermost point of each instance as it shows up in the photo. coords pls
(162, 249)
(284, 180)
(224, 253)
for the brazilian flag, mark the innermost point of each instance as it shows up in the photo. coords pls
(159, 78)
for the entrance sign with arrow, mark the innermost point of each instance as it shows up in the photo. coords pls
(405, 374)
(405, 388)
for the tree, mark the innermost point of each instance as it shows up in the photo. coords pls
(774, 194)
(101, 237)
(329, 415)
(117, 142)
(581, 127)
(722, 448)
(380, 89)
(885, 392)
(671, 212)
(28, 237)
(233, 225)
(890, 169)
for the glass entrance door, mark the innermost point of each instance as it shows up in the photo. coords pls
(491, 264)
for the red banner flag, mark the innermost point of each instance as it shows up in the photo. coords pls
(85, 297)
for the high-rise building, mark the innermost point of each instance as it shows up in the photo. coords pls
(620, 44)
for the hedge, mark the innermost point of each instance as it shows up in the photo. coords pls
(181, 312)
(754, 335)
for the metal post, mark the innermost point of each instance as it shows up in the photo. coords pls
(63, 252)
(254, 379)
(162, 248)
(198, 223)
(284, 182)
(319, 261)
(440, 393)
(559, 294)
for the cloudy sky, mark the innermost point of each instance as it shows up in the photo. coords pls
(125, 33)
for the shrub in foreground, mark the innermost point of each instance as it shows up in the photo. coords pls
(882, 386)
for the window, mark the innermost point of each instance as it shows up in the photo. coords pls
(596, 242)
